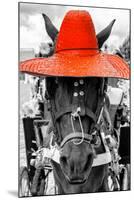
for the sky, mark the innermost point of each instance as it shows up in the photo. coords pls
(32, 28)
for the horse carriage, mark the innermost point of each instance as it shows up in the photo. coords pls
(84, 144)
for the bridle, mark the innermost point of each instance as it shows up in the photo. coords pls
(79, 111)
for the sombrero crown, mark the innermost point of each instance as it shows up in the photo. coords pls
(77, 53)
(77, 33)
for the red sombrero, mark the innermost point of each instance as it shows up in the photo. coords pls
(77, 53)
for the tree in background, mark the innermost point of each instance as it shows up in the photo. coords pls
(125, 49)
(124, 52)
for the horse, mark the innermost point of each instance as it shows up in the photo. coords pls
(79, 110)
(75, 173)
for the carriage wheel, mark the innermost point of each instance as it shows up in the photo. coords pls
(113, 182)
(24, 184)
(47, 172)
(50, 186)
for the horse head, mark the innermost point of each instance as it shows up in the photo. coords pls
(74, 104)
(75, 108)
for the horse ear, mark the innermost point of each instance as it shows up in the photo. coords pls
(104, 34)
(50, 28)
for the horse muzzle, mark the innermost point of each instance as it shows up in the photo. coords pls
(76, 180)
(76, 160)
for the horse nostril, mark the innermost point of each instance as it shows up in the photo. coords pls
(71, 167)
(88, 162)
(63, 160)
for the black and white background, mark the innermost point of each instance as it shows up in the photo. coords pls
(9, 85)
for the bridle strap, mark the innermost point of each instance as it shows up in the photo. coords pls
(69, 109)
(62, 112)
(76, 135)
(90, 114)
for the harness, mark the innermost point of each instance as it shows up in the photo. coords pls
(76, 112)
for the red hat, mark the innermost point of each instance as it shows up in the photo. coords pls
(77, 53)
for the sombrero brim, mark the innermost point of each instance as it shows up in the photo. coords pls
(70, 65)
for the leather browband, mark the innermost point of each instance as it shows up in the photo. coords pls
(68, 109)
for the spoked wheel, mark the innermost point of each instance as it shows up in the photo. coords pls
(50, 186)
(24, 184)
(40, 183)
(46, 181)
(113, 182)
